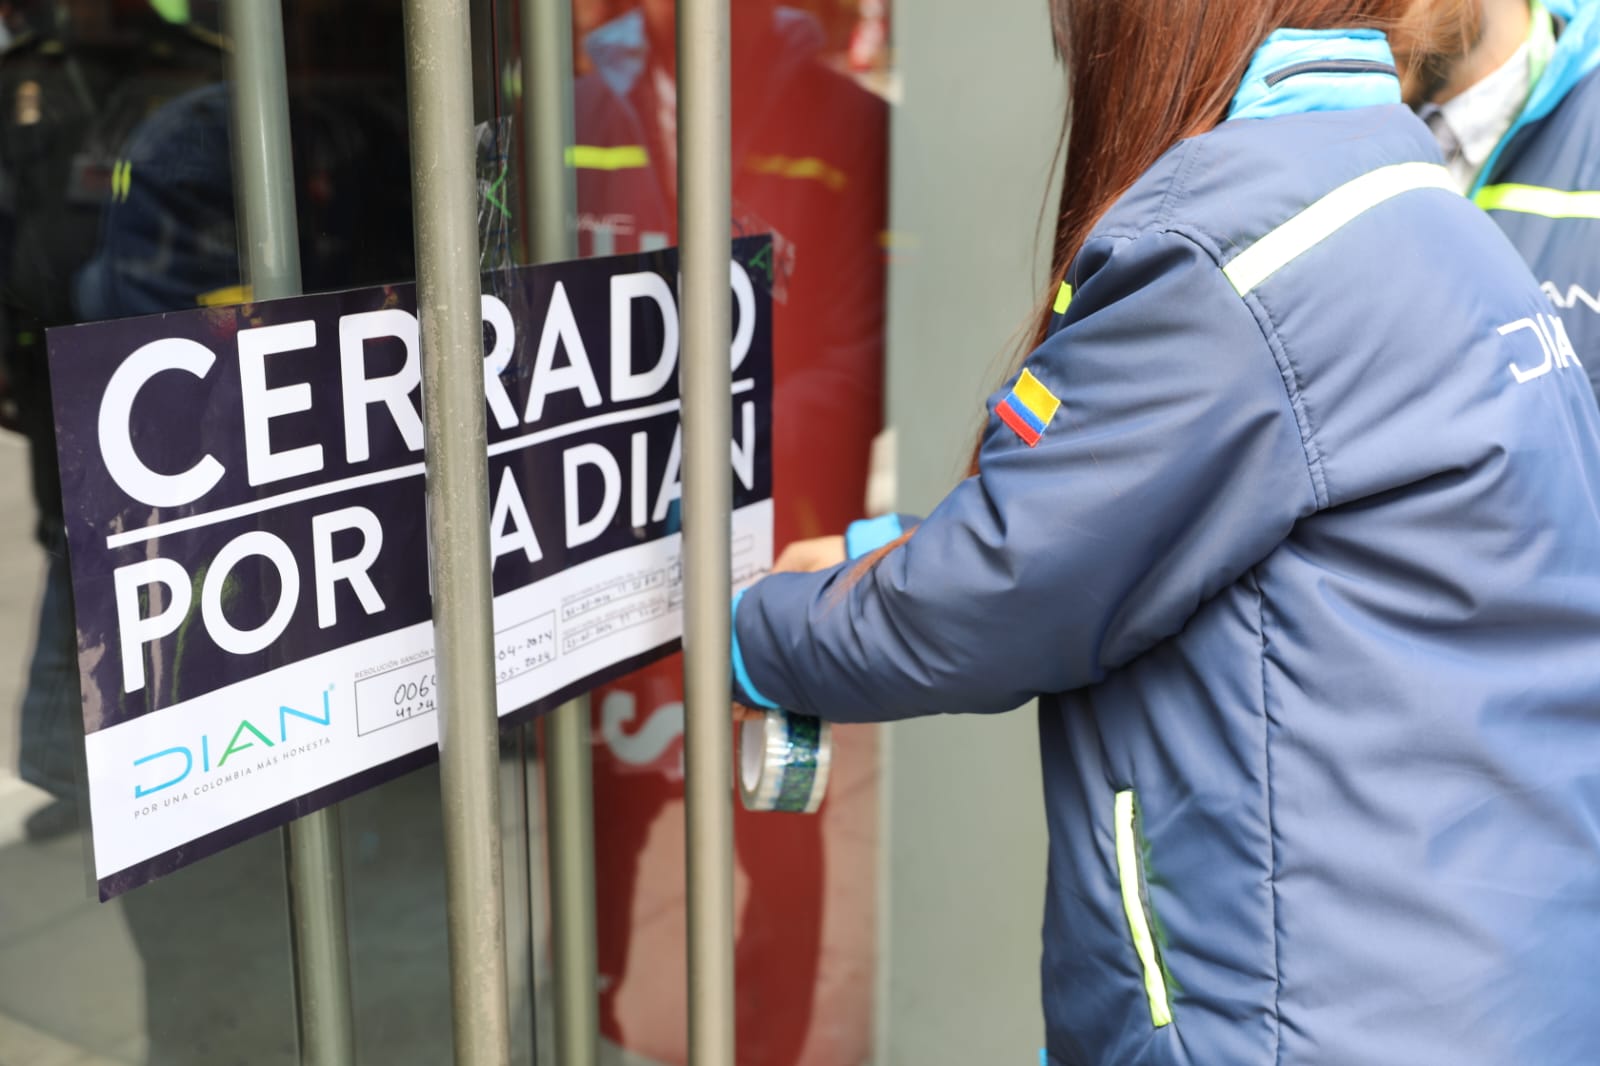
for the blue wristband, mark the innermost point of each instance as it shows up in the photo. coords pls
(869, 534)
(741, 675)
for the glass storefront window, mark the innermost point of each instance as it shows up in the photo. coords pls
(114, 153)
(118, 198)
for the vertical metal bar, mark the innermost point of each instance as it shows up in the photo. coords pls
(704, 228)
(321, 951)
(551, 197)
(444, 191)
(547, 114)
(264, 179)
(569, 800)
(537, 814)
(264, 174)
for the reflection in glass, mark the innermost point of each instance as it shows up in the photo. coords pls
(809, 147)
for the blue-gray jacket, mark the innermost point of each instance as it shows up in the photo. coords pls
(1542, 184)
(1304, 569)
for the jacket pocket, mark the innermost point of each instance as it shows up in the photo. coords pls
(1136, 905)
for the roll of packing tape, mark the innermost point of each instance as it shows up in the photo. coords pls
(784, 761)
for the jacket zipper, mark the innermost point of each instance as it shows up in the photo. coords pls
(1332, 66)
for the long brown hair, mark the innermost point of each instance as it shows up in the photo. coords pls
(1145, 74)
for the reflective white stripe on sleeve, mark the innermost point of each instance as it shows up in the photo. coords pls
(1327, 216)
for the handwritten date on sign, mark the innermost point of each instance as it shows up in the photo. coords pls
(523, 652)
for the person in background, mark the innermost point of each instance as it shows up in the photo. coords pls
(587, 15)
(73, 84)
(1291, 522)
(809, 168)
(1514, 103)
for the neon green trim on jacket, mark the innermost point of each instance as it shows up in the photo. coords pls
(1533, 200)
(1063, 298)
(1155, 982)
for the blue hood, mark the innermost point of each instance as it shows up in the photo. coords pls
(1577, 54)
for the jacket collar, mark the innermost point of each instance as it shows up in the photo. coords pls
(1576, 54)
(1295, 71)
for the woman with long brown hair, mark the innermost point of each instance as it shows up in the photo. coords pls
(1290, 520)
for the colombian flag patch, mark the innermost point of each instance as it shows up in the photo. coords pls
(1028, 408)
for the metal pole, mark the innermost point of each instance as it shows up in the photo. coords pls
(264, 179)
(569, 799)
(569, 796)
(547, 115)
(444, 208)
(264, 174)
(704, 210)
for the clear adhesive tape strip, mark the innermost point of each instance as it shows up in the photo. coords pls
(784, 760)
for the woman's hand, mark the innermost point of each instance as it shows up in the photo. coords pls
(804, 556)
(741, 713)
